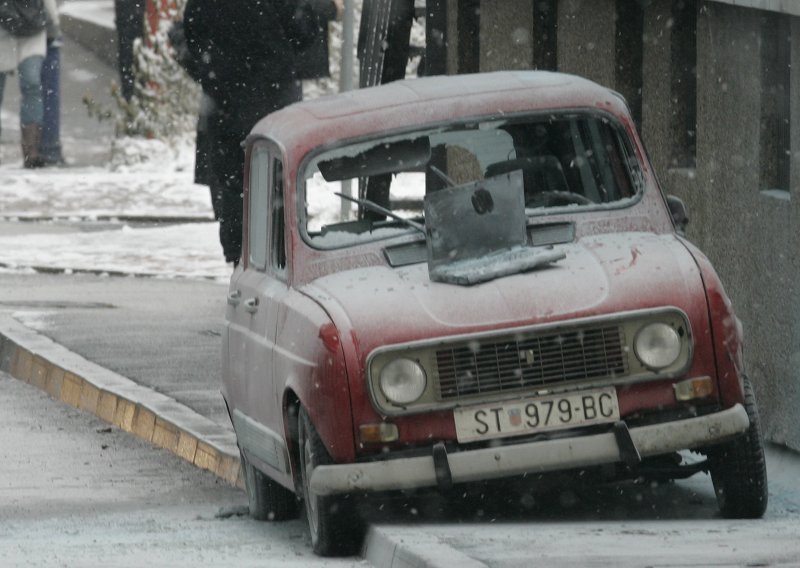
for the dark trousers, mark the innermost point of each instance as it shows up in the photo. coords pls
(228, 130)
(50, 145)
(129, 18)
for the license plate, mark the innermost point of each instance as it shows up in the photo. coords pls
(553, 412)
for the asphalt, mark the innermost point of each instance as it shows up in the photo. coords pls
(66, 363)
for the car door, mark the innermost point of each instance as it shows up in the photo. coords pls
(255, 294)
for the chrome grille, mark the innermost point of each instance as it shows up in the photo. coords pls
(505, 364)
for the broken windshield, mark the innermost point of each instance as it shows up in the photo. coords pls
(567, 162)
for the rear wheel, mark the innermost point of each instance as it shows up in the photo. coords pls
(335, 527)
(739, 470)
(268, 500)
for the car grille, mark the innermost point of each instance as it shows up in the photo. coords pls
(507, 364)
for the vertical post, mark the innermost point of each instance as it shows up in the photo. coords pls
(348, 29)
(346, 84)
(468, 17)
(436, 37)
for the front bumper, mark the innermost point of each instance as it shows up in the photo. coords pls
(531, 457)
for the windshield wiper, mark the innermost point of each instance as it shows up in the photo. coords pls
(375, 208)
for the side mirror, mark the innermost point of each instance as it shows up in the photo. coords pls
(677, 209)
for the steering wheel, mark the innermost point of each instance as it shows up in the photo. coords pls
(556, 199)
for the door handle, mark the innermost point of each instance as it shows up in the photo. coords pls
(251, 305)
(234, 298)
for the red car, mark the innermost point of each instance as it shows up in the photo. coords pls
(458, 279)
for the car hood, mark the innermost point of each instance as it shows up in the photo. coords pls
(600, 274)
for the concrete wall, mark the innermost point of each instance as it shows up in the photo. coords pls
(506, 34)
(784, 393)
(748, 235)
(751, 237)
(586, 39)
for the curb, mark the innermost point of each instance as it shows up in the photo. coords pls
(100, 40)
(143, 219)
(100, 272)
(155, 418)
(384, 551)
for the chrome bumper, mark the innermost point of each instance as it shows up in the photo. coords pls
(531, 457)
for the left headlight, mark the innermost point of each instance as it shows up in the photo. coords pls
(403, 381)
(657, 345)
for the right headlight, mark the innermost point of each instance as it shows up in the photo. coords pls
(657, 346)
(403, 381)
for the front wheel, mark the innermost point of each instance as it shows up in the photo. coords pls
(739, 469)
(333, 521)
(268, 500)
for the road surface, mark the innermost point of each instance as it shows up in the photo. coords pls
(75, 492)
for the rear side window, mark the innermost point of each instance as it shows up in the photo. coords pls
(266, 240)
(257, 220)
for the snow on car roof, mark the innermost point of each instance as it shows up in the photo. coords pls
(430, 100)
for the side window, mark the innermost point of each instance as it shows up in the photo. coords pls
(259, 185)
(276, 212)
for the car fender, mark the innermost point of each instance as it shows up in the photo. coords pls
(726, 329)
(311, 371)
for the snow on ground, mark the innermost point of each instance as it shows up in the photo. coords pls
(187, 250)
(157, 183)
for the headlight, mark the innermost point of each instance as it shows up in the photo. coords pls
(403, 381)
(657, 345)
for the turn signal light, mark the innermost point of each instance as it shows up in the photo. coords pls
(700, 387)
(378, 433)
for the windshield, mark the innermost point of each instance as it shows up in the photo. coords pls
(569, 162)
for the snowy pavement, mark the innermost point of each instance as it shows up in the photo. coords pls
(63, 208)
(93, 215)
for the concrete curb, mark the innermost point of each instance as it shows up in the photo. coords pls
(158, 419)
(143, 219)
(384, 551)
(100, 272)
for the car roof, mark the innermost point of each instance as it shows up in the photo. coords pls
(430, 100)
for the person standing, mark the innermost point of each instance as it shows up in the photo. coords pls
(129, 20)
(50, 144)
(23, 44)
(245, 54)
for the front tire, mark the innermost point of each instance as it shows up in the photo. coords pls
(739, 469)
(268, 500)
(335, 527)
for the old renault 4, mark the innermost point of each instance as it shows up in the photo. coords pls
(458, 279)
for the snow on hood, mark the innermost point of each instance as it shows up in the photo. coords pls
(600, 274)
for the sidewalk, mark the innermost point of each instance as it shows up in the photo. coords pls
(121, 348)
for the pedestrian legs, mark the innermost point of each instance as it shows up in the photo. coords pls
(31, 110)
(129, 20)
(50, 148)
